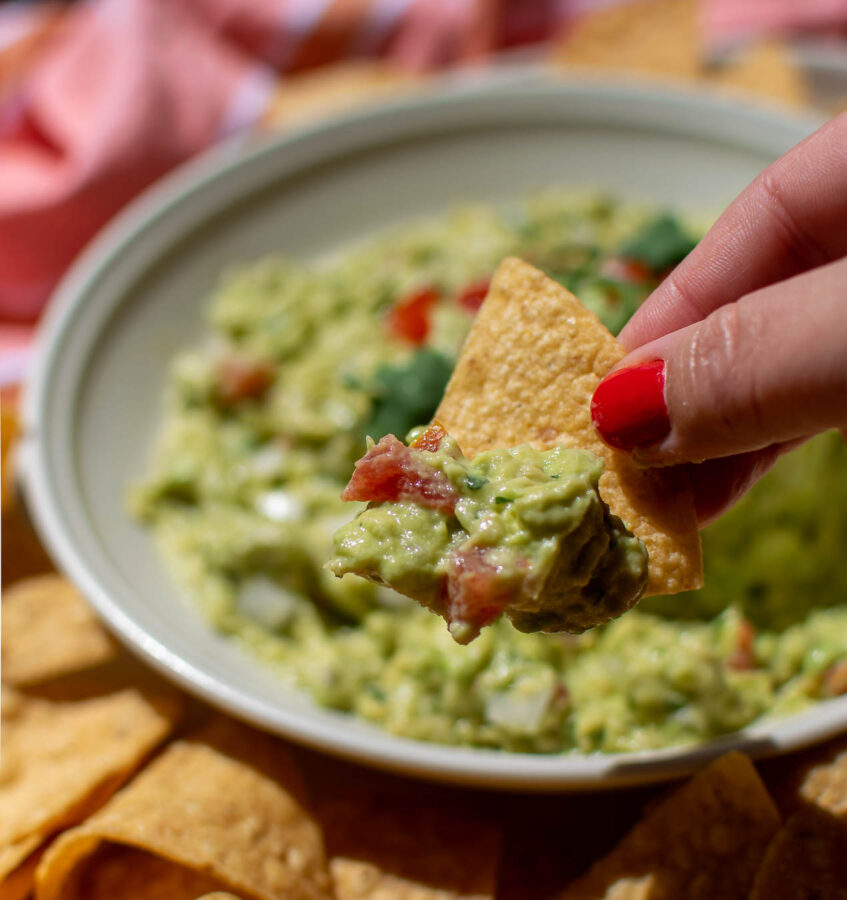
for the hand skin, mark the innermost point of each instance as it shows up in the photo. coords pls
(752, 326)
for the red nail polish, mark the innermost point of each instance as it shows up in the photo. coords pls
(628, 408)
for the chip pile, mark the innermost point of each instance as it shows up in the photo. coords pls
(112, 785)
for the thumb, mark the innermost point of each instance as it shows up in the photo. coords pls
(765, 370)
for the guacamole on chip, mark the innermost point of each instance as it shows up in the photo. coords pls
(517, 531)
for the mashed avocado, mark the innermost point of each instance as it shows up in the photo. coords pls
(264, 421)
(517, 531)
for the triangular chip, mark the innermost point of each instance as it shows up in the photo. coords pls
(527, 373)
(61, 760)
(48, 631)
(417, 844)
(653, 37)
(224, 808)
(807, 859)
(703, 842)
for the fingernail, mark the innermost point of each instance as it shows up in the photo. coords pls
(628, 408)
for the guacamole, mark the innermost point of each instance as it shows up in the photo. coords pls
(265, 417)
(517, 531)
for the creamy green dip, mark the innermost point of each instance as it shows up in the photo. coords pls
(516, 530)
(264, 421)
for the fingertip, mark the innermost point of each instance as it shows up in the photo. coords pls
(628, 408)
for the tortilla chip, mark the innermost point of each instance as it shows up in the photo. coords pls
(219, 895)
(391, 840)
(654, 37)
(222, 805)
(9, 428)
(806, 860)
(17, 867)
(826, 786)
(526, 374)
(335, 89)
(704, 841)
(130, 874)
(49, 630)
(61, 760)
(766, 70)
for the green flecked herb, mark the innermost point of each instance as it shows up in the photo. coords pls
(407, 394)
(660, 245)
(503, 499)
(475, 482)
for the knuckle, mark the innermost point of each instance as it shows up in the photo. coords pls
(796, 239)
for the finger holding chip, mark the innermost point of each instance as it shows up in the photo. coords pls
(510, 502)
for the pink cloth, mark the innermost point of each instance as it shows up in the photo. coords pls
(127, 89)
(731, 21)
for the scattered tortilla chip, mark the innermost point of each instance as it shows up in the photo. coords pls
(9, 427)
(321, 93)
(653, 37)
(704, 841)
(826, 786)
(49, 630)
(222, 805)
(62, 760)
(397, 841)
(130, 874)
(17, 867)
(807, 860)
(58, 758)
(767, 70)
(526, 374)
(219, 895)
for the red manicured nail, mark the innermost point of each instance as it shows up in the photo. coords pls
(628, 408)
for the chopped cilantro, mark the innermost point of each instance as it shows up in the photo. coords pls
(407, 394)
(475, 482)
(503, 499)
(660, 245)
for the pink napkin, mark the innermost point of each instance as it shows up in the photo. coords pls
(730, 21)
(126, 89)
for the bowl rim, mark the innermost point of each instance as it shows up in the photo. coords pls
(48, 503)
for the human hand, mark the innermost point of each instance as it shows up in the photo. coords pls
(741, 353)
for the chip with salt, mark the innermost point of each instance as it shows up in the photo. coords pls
(225, 805)
(526, 374)
(62, 760)
(115, 871)
(806, 860)
(48, 631)
(417, 843)
(704, 841)
(825, 785)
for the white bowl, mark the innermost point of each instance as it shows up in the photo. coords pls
(138, 293)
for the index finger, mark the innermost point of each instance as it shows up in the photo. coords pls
(789, 219)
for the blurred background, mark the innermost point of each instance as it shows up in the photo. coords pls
(98, 98)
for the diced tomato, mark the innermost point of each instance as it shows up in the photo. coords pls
(629, 270)
(430, 439)
(742, 658)
(474, 294)
(392, 471)
(240, 378)
(835, 679)
(409, 318)
(477, 590)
